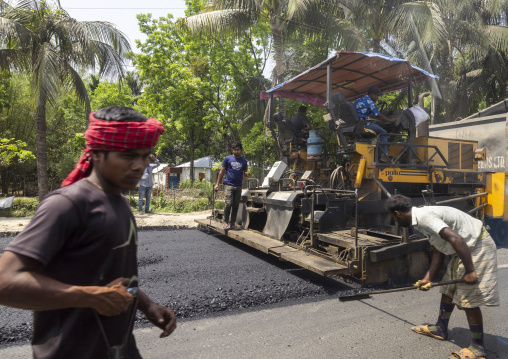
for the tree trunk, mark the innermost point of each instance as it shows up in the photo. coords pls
(276, 26)
(502, 89)
(191, 140)
(376, 45)
(464, 100)
(42, 159)
(279, 59)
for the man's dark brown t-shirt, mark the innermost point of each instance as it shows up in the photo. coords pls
(82, 236)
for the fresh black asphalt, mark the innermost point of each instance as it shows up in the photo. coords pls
(199, 274)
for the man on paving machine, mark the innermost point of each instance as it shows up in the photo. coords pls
(367, 110)
(75, 264)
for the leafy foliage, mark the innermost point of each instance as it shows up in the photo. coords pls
(40, 37)
(13, 150)
(21, 207)
(111, 94)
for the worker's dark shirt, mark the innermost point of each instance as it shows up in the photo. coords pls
(82, 236)
(299, 121)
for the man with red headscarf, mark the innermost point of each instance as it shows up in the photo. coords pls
(75, 264)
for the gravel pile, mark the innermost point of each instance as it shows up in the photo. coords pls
(199, 274)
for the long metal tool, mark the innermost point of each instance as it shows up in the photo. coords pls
(213, 206)
(367, 295)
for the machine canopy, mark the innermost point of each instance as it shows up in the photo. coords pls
(353, 73)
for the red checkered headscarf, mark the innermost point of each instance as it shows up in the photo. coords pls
(113, 136)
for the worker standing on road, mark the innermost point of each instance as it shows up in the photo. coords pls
(473, 258)
(235, 167)
(146, 186)
(75, 264)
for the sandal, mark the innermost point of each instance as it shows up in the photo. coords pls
(225, 225)
(424, 330)
(465, 354)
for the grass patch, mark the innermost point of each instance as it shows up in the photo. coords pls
(189, 197)
(21, 207)
(195, 197)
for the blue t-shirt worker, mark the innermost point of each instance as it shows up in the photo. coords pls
(367, 109)
(235, 167)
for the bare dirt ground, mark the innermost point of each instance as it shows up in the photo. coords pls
(11, 226)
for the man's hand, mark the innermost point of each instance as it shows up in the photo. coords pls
(423, 284)
(424, 287)
(153, 156)
(246, 173)
(470, 278)
(216, 187)
(112, 299)
(162, 317)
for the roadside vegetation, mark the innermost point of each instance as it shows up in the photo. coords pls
(202, 76)
(188, 198)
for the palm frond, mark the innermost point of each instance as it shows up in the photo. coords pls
(106, 32)
(13, 59)
(297, 9)
(76, 83)
(421, 17)
(110, 62)
(498, 36)
(247, 5)
(46, 65)
(12, 32)
(232, 21)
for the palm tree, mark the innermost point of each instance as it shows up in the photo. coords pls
(383, 20)
(41, 38)
(286, 18)
(134, 82)
(470, 55)
(454, 38)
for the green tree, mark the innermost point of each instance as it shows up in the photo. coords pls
(286, 19)
(111, 94)
(476, 39)
(134, 82)
(195, 85)
(41, 38)
(13, 156)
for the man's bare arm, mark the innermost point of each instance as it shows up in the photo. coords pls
(219, 178)
(162, 317)
(21, 286)
(385, 118)
(435, 264)
(460, 246)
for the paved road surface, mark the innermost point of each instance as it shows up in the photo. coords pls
(322, 327)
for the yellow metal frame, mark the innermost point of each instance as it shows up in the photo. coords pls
(497, 195)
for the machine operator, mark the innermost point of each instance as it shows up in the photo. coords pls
(367, 110)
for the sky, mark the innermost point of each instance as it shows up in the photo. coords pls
(122, 13)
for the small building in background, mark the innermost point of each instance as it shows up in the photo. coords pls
(173, 175)
(159, 176)
(202, 169)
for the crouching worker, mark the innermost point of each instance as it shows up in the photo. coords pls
(75, 264)
(473, 259)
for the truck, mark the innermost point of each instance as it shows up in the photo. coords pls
(489, 128)
(322, 207)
